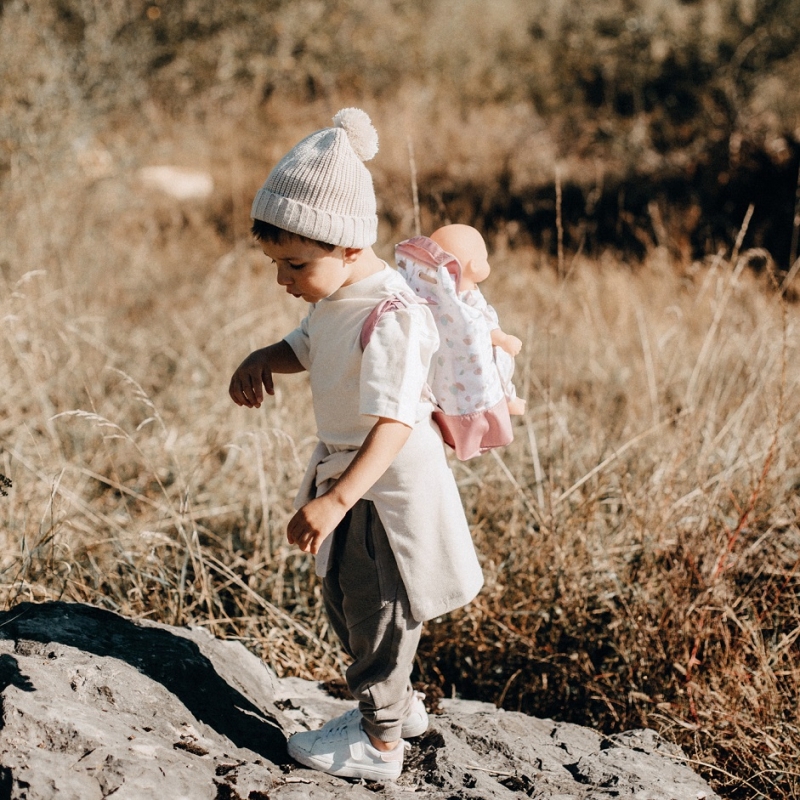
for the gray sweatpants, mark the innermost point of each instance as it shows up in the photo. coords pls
(367, 604)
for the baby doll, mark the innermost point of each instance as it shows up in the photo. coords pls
(467, 245)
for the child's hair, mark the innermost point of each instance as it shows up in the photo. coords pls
(267, 232)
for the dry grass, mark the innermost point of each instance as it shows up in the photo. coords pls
(659, 586)
(681, 103)
(641, 536)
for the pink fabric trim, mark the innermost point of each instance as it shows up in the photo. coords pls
(389, 304)
(472, 434)
(425, 251)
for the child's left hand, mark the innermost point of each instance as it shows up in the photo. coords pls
(314, 522)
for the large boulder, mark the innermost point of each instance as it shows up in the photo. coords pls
(95, 705)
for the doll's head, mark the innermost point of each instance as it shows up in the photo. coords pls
(467, 245)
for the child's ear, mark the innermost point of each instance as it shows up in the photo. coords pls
(350, 254)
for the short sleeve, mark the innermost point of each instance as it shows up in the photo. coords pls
(396, 363)
(298, 340)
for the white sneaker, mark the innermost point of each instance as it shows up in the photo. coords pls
(415, 724)
(344, 749)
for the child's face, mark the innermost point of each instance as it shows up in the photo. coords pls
(309, 271)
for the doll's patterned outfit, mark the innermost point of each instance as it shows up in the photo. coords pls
(503, 360)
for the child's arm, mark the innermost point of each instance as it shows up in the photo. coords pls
(318, 518)
(257, 369)
(506, 342)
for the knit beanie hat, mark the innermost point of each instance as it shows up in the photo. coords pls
(321, 189)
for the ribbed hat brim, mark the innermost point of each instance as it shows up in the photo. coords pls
(296, 217)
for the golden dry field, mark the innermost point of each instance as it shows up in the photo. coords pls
(641, 536)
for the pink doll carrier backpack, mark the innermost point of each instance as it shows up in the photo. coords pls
(471, 408)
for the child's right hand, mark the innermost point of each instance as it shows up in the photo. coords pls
(246, 384)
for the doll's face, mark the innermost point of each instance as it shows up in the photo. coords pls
(475, 270)
(474, 260)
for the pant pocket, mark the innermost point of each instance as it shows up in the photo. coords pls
(383, 556)
(369, 538)
(359, 568)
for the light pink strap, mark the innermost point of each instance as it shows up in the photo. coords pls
(426, 252)
(389, 304)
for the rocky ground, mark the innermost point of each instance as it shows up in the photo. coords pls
(95, 705)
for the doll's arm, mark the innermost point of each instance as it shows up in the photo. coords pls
(256, 371)
(318, 518)
(511, 344)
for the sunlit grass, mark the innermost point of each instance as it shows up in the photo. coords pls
(640, 536)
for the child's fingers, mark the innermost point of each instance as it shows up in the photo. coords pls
(234, 391)
(293, 530)
(248, 391)
(255, 390)
(266, 380)
(238, 390)
(248, 384)
(298, 531)
(307, 541)
(310, 543)
(304, 542)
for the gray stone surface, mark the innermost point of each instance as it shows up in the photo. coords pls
(95, 705)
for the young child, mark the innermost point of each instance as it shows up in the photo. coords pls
(378, 506)
(467, 245)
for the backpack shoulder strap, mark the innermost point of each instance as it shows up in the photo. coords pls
(420, 255)
(391, 303)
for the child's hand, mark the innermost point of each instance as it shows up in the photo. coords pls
(314, 522)
(318, 518)
(246, 384)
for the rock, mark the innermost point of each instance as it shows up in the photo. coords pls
(95, 705)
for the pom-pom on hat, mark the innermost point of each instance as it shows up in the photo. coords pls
(321, 189)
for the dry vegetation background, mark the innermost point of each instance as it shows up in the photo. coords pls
(640, 538)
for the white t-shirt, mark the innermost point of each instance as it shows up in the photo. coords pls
(388, 379)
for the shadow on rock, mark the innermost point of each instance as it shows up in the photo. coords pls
(172, 660)
(10, 675)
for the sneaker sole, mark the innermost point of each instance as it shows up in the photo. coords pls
(344, 772)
